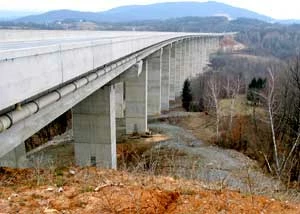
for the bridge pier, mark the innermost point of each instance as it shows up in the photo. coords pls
(120, 103)
(94, 126)
(195, 59)
(183, 64)
(15, 158)
(172, 72)
(188, 60)
(178, 59)
(154, 82)
(165, 78)
(136, 95)
(198, 57)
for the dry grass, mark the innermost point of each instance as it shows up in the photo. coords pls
(201, 124)
(92, 190)
(240, 107)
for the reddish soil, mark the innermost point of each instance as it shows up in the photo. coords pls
(91, 190)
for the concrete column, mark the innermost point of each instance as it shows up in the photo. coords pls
(172, 71)
(201, 55)
(94, 126)
(205, 52)
(194, 56)
(136, 101)
(186, 68)
(154, 83)
(120, 103)
(190, 58)
(165, 78)
(183, 65)
(178, 59)
(15, 158)
(209, 45)
(197, 57)
(217, 44)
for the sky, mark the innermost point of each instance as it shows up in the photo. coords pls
(278, 9)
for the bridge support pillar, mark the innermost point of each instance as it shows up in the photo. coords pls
(192, 57)
(179, 60)
(172, 71)
(204, 52)
(165, 78)
(154, 83)
(136, 93)
(183, 64)
(195, 57)
(198, 57)
(94, 126)
(120, 103)
(15, 158)
(187, 70)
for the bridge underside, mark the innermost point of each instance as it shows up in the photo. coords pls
(137, 89)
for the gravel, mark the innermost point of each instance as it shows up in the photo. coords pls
(216, 166)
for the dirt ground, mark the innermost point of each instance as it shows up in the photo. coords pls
(91, 190)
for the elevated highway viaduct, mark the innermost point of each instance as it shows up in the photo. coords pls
(100, 76)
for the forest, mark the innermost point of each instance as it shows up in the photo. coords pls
(262, 113)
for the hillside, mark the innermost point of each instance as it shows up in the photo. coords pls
(148, 12)
(182, 175)
(92, 190)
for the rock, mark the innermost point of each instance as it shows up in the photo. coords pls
(50, 211)
(60, 189)
(50, 189)
(72, 172)
(14, 195)
(101, 187)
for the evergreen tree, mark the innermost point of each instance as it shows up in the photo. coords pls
(186, 95)
(255, 86)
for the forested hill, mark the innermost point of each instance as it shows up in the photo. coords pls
(157, 11)
(261, 37)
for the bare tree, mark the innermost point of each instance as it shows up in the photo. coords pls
(272, 102)
(213, 89)
(232, 88)
(270, 98)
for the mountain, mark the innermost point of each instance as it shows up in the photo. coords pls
(6, 15)
(289, 21)
(60, 15)
(148, 12)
